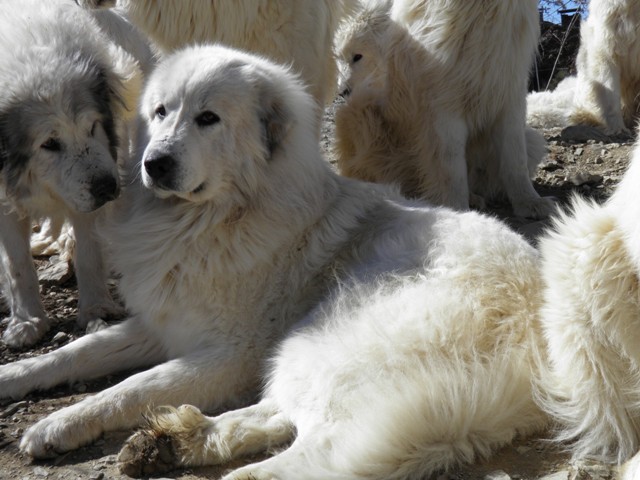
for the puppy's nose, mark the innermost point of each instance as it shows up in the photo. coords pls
(160, 169)
(104, 189)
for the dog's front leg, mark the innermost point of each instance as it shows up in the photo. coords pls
(28, 321)
(94, 300)
(117, 348)
(203, 378)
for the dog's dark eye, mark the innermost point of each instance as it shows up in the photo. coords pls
(207, 118)
(52, 145)
(357, 57)
(160, 112)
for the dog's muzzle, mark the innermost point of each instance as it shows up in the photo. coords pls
(104, 189)
(161, 170)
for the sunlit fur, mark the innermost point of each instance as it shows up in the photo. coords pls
(435, 101)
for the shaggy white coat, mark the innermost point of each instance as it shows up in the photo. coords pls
(62, 80)
(435, 101)
(299, 33)
(413, 338)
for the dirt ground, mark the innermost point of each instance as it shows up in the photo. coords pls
(590, 168)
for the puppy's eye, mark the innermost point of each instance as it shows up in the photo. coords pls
(357, 57)
(52, 144)
(207, 118)
(160, 112)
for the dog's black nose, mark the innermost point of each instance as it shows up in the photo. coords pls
(160, 169)
(104, 189)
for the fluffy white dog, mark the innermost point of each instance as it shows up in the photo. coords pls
(605, 91)
(435, 101)
(63, 105)
(590, 316)
(413, 340)
(297, 32)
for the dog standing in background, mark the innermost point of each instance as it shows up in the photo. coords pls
(67, 91)
(435, 101)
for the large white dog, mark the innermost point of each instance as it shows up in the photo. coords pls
(299, 33)
(413, 339)
(606, 89)
(435, 101)
(63, 105)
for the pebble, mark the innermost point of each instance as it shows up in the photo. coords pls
(583, 178)
(41, 472)
(561, 475)
(96, 475)
(60, 337)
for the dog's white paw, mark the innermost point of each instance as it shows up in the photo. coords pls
(24, 331)
(60, 432)
(99, 310)
(538, 208)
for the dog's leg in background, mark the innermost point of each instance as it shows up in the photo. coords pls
(28, 321)
(94, 300)
(208, 379)
(195, 439)
(511, 146)
(453, 183)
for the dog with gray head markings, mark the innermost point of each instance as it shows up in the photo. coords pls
(235, 230)
(62, 111)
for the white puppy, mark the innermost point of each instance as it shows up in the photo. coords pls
(298, 32)
(435, 101)
(62, 110)
(413, 342)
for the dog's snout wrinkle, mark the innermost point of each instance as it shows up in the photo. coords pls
(160, 168)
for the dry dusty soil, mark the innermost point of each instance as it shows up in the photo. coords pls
(591, 168)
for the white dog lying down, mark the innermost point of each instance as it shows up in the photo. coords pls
(606, 88)
(435, 101)
(414, 340)
(298, 32)
(63, 105)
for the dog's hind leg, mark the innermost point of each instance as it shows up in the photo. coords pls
(28, 321)
(184, 437)
(94, 300)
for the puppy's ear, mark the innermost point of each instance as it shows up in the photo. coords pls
(275, 117)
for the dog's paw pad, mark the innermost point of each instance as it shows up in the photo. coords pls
(146, 453)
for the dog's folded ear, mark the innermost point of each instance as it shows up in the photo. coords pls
(275, 117)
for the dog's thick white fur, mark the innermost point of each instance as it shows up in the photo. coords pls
(606, 88)
(590, 316)
(435, 101)
(67, 90)
(413, 343)
(608, 66)
(299, 33)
